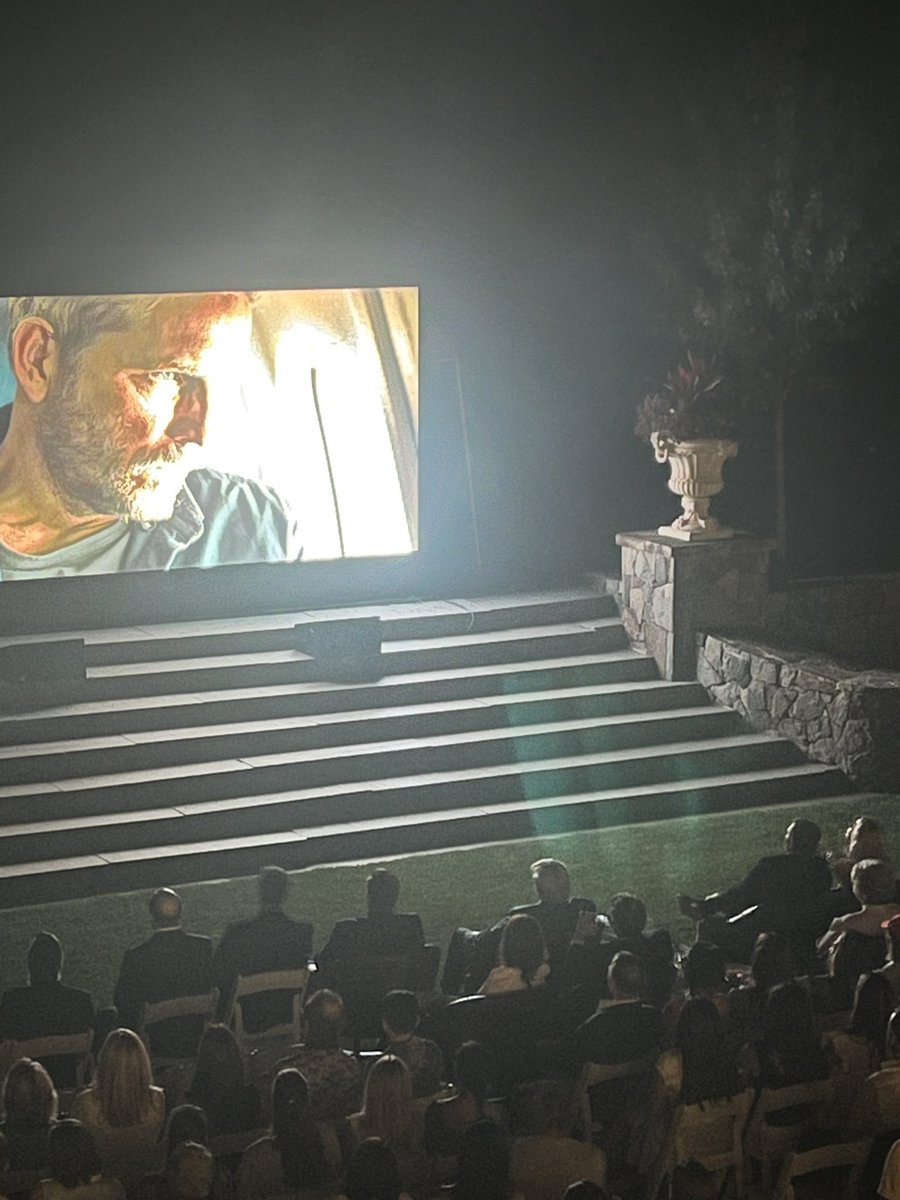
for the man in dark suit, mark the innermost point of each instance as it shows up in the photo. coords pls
(784, 893)
(168, 965)
(471, 955)
(270, 941)
(382, 933)
(47, 1006)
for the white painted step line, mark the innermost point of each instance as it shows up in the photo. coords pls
(214, 662)
(406, 819)
(704, 713)
(311, 721)
(126, 778)
(306, 687)
(764, 775)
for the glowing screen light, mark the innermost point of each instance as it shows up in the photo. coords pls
(154, 432)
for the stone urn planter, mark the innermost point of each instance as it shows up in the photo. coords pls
(696, 476)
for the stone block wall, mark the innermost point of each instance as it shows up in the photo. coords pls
(835, 714)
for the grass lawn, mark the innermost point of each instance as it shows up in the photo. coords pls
(472, 886)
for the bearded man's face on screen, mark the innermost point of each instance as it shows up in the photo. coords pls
(124, 418)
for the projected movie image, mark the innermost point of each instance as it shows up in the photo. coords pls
(156, 432)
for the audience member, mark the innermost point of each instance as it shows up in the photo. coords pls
(709, 1069)
(332, 1075)
(190, 1172)
(704, 978)
(483, 1171)
(185, 1123)
(400, 1015)
(889, 1186)
(388, 1113)
(122, 1109)
(293, 1158)
(625, 1030)
(522, 958)
(471, 955)
(373, 1174)
(790, 1051)
(784, 892)
(586, 1189)
(545, 1160)
(29, 1114)
(770, 963)
(863, 839)
(46, 1006)
(219, 1088)
(653, 948)
(860, 1048)
(382, 932)
(75, 1172)
(885, 1083)
(270, 941)
(169, 964)
(854, 944)
(448, 1117)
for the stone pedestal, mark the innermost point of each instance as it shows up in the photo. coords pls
(672, 590)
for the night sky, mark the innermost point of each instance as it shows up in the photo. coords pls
(498, 153)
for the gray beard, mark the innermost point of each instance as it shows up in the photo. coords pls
(89, 465)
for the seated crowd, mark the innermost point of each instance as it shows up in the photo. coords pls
(563, 1054)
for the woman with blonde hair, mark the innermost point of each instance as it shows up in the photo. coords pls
(122, 1109)
(388, 1113)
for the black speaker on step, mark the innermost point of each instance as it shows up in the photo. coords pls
(346, 650)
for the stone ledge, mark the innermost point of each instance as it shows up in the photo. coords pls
(835, 714)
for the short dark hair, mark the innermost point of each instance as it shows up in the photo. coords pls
(704, 967)
(272, 885)
(73, 1154)
(45, 958)
(400, 1009)
(475, 1069)
(382, 889)
(628, 915)
(542, 1106)
(625, 975)
(803, 836)
(372, 1173)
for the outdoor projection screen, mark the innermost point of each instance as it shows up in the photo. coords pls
(152, 432)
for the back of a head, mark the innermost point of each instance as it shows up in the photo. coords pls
(123, 1078)
(483, 1166)
(372, 1173)
(704, 968)
(788, 1014)
(585, 1189)
(272, 887)
(382, 891)
(802, 837)
(551, 880)
(387, 1099)
(865, 840)
(73, 1155)
(186, 1123)
(323, 1020)
(522, 945)
(873, 1003)
(475, 1070)
(189, 1172)
(873, 881)
(893, 1036)
(45, 958)
(296, 1134)
(628, 915)
(771, 961)
(220, 1067)
(29, 1097)
(400, 1011)
(625, 977)
(165, 908)
(708, 1060)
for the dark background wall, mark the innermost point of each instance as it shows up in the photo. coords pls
(495, 153)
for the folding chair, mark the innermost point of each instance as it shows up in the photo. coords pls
(73, 1046)
(172, 1070)
(768, 1143)
(850, 1156)
(594, 1074)
(268, 983)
